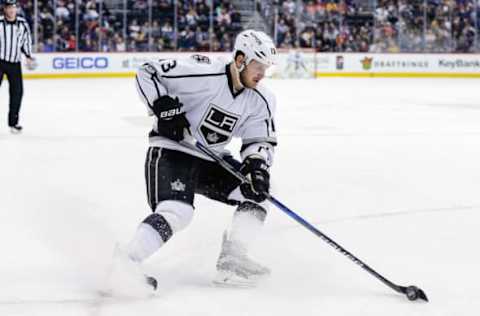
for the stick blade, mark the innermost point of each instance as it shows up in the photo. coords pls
(414, 293)
(422, 295)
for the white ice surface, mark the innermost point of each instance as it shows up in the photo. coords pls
(388, 168)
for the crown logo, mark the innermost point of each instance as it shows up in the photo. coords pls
(213, 137)
(177, 185)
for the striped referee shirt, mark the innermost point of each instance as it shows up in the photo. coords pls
(15, 38)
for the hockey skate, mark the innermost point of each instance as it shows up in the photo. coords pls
(126, 279)
(16, 129)
(235, 268)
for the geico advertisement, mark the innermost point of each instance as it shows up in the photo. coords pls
(58, 63)
(80, 63)
(69, 63)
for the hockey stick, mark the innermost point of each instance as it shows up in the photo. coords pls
(412, 292)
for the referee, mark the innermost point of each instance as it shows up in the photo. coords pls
(15, 38)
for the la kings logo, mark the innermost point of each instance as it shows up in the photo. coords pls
(217, 125)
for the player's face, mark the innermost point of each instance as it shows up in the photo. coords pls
(10, 11)
(253, 73)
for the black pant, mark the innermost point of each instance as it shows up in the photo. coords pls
(174, 175)
(15, 81)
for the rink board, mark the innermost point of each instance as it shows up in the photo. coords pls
(293, 64)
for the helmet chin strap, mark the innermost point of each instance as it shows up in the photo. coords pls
(244, 64)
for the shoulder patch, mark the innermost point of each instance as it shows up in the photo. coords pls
(149, 68)
(201, 59)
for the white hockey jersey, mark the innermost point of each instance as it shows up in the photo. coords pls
(214, 111)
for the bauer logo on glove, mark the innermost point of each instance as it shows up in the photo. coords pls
(169, 114)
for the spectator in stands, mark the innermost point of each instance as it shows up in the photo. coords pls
(119, 44)
(202, 39)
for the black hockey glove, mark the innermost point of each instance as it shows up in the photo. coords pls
(171, 120)
(257, 171)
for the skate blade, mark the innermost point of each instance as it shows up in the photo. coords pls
(111, 296)
(231, 280)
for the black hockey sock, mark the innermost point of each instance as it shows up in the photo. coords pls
(160, 224)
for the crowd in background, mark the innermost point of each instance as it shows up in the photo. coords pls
(387, 26)
(325, 25)
(69, 25)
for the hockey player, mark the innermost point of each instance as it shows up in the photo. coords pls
(211, 101)
(296, 66)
